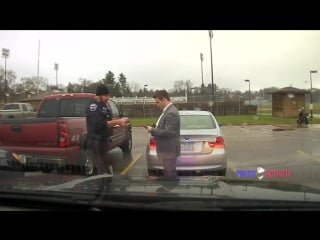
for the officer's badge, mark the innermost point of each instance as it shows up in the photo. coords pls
(93, 107)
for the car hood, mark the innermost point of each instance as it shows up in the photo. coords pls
(204, 192)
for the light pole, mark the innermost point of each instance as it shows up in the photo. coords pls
(38, 68)
(311, 104)
(201, 58)
(212, 89)
(144, 89)
(239, 104)
(5, 55)
(56, 67)
(260, 106)
(144, 99)
(247, 80)
(192, 90)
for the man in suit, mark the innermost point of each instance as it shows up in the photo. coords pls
(167, 134)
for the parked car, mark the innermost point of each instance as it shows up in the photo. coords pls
(203, 149)
(17, 110)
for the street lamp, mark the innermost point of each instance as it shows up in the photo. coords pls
(201, 58)
(239, 104)
(56, 67)
(192, 91)
(212, 89)
(247, 80)
(144, 99)
(311, 105)
(144, 89)
(5, 55)
(260, 98)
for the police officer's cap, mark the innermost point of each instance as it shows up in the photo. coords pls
(102, 90)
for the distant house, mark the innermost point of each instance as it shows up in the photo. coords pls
(286, 102)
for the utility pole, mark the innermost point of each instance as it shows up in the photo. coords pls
(56, 67)
(202, 85)
(38, 68)
(311, 103)
(5, 55)
(212, 88)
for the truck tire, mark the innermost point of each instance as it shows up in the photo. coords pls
(86, 158)
(126, 147)
(87, 163)
(155, 172)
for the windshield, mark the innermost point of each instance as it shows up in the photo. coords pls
(11, 107)
(149, 117)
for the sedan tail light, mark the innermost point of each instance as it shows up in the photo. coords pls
(218, 143)
(152, 143)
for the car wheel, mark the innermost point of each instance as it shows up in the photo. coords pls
(126, 147)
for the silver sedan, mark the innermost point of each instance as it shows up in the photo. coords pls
(203, 150)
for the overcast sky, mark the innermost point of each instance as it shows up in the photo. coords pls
(159, 58)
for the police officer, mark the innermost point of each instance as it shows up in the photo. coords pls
(99, 128)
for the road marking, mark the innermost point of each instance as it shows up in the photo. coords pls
(231, 167)
(309, 155)
(130, 165)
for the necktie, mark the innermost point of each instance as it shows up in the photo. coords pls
(158, 121)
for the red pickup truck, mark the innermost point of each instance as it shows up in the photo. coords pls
(56, 137)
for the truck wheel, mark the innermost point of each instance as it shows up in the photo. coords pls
(222, 172)
(47, 170)
(126, 147)
(154, 172)
(87, 163)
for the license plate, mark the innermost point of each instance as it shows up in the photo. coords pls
(186, 146)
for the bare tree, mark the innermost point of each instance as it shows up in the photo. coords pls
(9, 79)
(124, 87)
(34, 84)
(135, 87)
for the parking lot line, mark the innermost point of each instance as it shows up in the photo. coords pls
(309, 155)
(130, 165)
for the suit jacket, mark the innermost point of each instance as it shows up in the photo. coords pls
(167, 134)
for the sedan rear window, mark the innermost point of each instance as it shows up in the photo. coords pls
(197, 122)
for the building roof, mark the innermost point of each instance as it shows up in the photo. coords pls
(289, 90)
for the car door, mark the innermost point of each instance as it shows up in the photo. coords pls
(118, 133)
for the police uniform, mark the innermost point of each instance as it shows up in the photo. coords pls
(97, 114)
(98, 132)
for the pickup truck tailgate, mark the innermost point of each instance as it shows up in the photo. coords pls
(29, 132)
